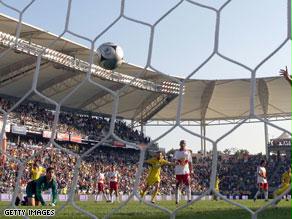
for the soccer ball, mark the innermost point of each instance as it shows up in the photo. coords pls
(110, 56)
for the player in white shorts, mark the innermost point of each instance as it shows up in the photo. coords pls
(101, 183)
(262, 181)
(183, 169)
(114, 176)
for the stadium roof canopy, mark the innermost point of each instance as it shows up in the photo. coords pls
(151, 97)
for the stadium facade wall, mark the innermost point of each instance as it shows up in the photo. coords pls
(62, 198)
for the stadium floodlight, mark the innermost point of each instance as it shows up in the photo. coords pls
(170, 87)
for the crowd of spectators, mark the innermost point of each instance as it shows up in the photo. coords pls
(64, 164)
(37, 117)
(238, 176)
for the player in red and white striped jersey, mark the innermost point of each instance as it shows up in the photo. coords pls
(262, 181)
(101, 183)
(114, 176)
(183, 169)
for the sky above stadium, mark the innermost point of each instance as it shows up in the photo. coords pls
(249, 31)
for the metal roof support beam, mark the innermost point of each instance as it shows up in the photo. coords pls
(30, 34)
(64, 86)
(155, 106)
(3, 49)
(235, 121)
(108, 98)
(263, 94)
(99, 95)
(17, 66)
(206, 98)
(203, 140)
(266, 139)
(58, 80)
(145, 103)
(205, 101)
(18, 71)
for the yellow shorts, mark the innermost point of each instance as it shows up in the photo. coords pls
(282, 189)
(151, 181)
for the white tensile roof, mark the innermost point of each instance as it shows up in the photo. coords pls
(203, 99)
(284, 135)
(230, 99)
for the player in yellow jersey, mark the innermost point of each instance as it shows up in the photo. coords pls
(285, 184)
(36, 171)
(217, 182)
(153, 178)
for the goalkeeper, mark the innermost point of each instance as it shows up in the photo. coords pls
(34, 188)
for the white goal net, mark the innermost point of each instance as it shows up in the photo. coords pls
(48, 54)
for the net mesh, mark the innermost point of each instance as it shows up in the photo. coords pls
(14, 44)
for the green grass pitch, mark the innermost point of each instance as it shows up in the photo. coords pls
(200, 210)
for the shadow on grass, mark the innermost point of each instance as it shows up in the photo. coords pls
(201, 210)
(270, 213)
